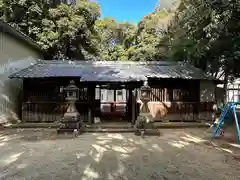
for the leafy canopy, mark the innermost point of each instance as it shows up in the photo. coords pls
(61, 29)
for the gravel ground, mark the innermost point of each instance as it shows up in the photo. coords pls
(175, 154)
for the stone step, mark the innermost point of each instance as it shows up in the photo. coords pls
(110, 126)
(105, 130)
(148, 132)
(158, 125)
(61, 131)
(35, 125)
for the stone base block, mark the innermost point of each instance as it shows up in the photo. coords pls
(70, 125)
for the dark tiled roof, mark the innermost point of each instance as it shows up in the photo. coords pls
(110, 70)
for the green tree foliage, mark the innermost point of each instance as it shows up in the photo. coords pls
(206, 34)
(70, 30)
(125, 41)
(63, 30)
(149, 32)
(78, 33)
(25, 15)
(115, 38)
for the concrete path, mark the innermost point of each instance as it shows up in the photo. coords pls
(175, 154)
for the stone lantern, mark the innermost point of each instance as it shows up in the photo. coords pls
(144, 116)
(145, 97)
(71, 119)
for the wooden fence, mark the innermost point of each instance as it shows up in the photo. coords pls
(40, 108)
(49, 111)
(53, 111)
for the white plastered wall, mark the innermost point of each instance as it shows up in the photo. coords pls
(14, 55)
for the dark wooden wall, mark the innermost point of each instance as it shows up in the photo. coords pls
(43, 101)
(175, 90)
(183, 95)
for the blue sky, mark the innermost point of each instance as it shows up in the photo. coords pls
(126, 10)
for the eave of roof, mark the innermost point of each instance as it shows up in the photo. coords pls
(6, 28)
(111, 70)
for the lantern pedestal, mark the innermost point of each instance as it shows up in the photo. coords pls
(71, 119)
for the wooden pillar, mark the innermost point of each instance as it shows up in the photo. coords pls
(24, 99)
(198, 103)
(132, 105)
(129, 113)
(133, 92)
(165, 95)
(114, 95)
(91, 106)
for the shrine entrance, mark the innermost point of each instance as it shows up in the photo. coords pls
(113, 103)
(116, 103)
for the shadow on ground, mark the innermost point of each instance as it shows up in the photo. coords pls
(176, 154)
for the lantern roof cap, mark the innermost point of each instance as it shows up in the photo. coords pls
(71, 86)
(145, 86)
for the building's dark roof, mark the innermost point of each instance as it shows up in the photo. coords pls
(110, 70)
(6, 28)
